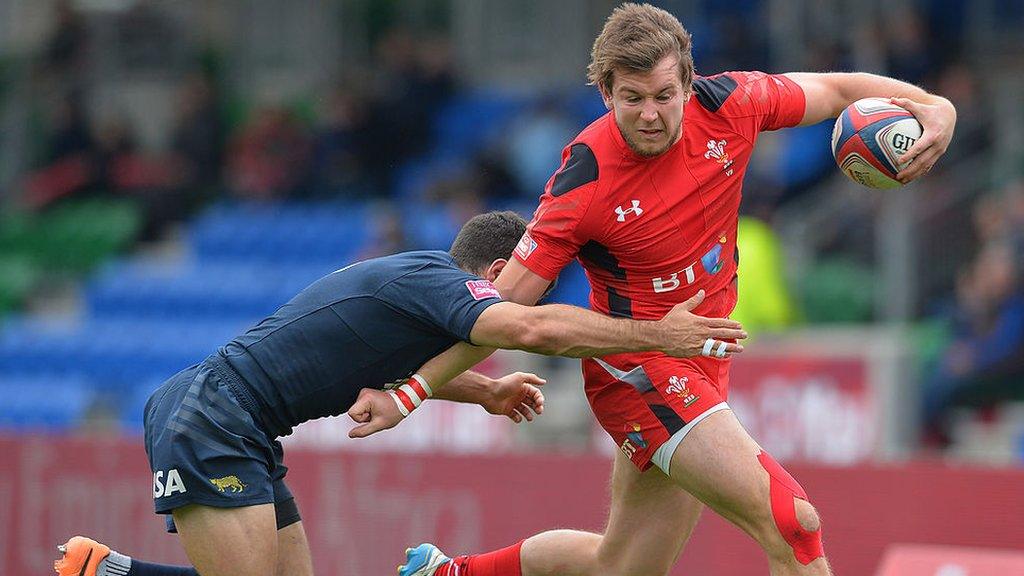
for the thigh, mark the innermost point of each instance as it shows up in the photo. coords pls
(651, 519)
(293, 556)
(718, 463)
(229, 541)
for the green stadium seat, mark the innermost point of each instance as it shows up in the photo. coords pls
(73, 236)
(837, 291)
(17, 277)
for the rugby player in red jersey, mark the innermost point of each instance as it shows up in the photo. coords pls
(647, 199)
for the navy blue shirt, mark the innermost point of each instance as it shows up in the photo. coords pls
(364, 326)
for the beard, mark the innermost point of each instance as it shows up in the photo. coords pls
(648, 149)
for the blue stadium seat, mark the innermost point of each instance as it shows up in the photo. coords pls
(225, 289)
(114, 354)
(432, 226)
(43, 403)
(471, 121)
(282, 233)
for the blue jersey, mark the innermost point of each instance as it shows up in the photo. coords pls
(364, 326)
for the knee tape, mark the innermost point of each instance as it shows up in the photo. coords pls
(806, 545)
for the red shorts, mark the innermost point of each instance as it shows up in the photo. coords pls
(641, 400)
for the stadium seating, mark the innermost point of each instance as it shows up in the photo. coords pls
(72, 237)
(144, 318)
(29, 403)
(17, 276)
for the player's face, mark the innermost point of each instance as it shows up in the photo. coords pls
(648, 106)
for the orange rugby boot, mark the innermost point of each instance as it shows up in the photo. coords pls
(80, 557)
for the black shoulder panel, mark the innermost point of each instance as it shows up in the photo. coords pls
(580, 169)
(714, 91)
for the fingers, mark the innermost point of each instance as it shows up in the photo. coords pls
(363, 430)
(722, 323)
(718, 349)
(914, 171)
(694, 301)
(922, 156)
(911, 106)
(524, 411)
(536, 401)
(360, 409)
(533, 379)
(727, 334)
(531, 406)
(918, 160)
(918, 167)
(515, 416)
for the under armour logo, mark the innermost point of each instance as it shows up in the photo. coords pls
(635, 209)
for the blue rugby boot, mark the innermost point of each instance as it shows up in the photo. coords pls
(422, 560)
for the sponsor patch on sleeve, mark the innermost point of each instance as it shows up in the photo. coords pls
(481, 289)
(526, 246)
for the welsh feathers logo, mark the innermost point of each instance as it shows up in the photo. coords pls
(481, 289)
(678, 386)
(716, 151)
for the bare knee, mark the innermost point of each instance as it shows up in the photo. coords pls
(807, 516)
(792, 536)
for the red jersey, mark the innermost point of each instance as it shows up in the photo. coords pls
(651, 232)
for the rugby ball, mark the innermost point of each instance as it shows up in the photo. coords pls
(868, 139)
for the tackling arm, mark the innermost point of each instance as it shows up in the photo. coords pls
(375, 411)
(827, 94)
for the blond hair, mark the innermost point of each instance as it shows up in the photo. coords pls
(636, 37)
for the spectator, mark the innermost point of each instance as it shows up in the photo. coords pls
(270, 158)
(973, 133)
(199, 134)
(985, 361)
(67, 159)
(69, 134)
(908, 57)
(64, 53)
(339, 162)
(413, 80)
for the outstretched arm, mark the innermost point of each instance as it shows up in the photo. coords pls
(516, 395)
(560, 330)
(555, 330)
(827, 94)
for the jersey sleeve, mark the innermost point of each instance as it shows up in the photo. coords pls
(557, 231)
(754, 100)
(443, 296)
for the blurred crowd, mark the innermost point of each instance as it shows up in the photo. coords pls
(402, 126)
(384, 128)
(983, 363)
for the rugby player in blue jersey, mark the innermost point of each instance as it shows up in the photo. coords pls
(212, 430)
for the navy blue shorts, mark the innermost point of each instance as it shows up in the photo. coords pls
(205, 448)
